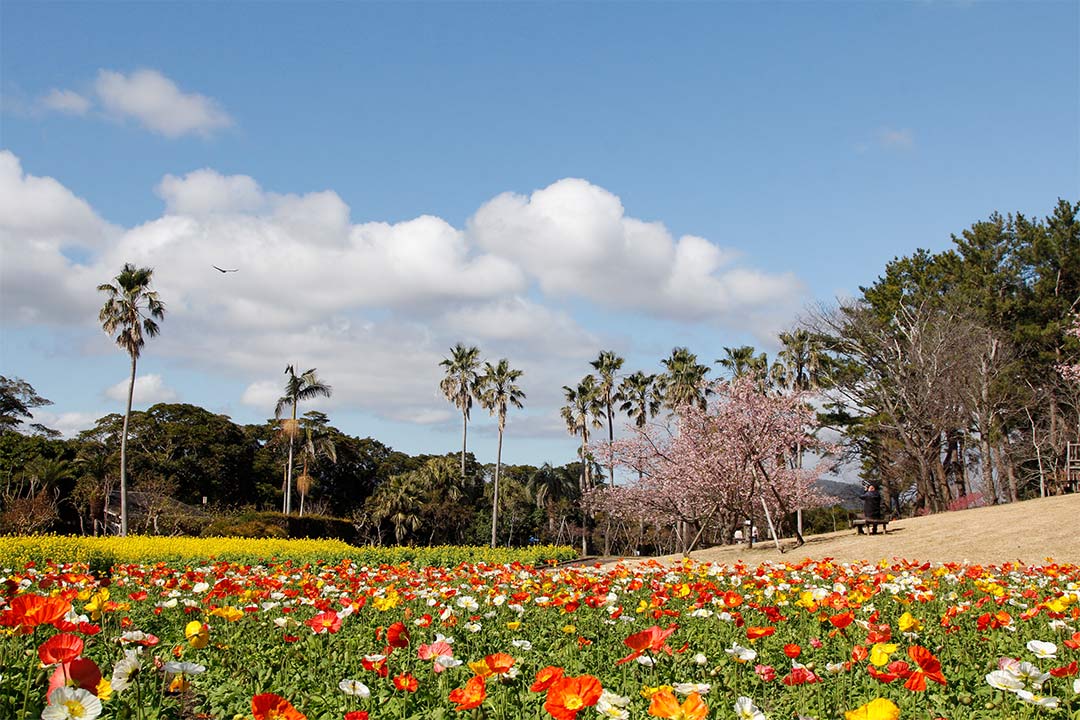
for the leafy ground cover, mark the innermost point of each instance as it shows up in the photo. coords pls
(344, 641)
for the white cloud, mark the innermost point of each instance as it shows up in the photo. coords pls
(69, 424)
(375, 306)
(158, 104)
(577, 240)
(206, 192)
(149, 389)
(68, 102)
(40, 221)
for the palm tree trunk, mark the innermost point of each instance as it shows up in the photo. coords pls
(123, 454)
(495, 501)
(288, 471)
(464, 437)
(611, 440)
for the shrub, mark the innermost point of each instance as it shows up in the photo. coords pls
(273, 524)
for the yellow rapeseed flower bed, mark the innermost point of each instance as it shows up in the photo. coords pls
(101, 553)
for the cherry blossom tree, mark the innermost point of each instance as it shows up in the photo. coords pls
(715, 466)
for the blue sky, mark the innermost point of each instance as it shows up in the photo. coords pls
(678, 174)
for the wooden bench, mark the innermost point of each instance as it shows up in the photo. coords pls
(861, 522)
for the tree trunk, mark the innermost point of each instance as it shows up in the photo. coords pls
(495, 500)
(464, 438)
(611, 439)
(123, 454)
(987, 465)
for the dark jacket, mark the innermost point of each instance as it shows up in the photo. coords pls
(871, 504)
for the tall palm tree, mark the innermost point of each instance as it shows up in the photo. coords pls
(583, 410)
(459, 385)
(741, 361)
(607, 365)
(683, 381)
(131, 312)
(497, 391)
(639, 397)
(298, 388)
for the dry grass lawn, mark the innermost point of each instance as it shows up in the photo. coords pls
(1029, 531)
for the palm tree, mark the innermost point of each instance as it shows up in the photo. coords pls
(607, 365)
(131, 313)
(497, 391)
(459, 385)
(583, 410)
(741, 361)
(639, 397)
(684, 380)
(297, 389)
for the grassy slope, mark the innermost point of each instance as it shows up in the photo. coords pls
(1030, 531)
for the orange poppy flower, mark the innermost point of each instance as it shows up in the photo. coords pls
(653, 639)
(269, 706)
(929, 668)
(406, 682)
(470, 696)
(568, 695)
(753, 633)
(60, 648)
(664, 705)
(26, 612)
(792, 650)
(545, 678)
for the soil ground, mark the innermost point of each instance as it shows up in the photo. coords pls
(1030, 532)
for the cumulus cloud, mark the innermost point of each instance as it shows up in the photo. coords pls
(68, 102)
(42, 225)
(577, 241)
(376, 305)
(149, 389)
(158, 104)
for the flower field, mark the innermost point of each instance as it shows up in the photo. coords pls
(343, 641)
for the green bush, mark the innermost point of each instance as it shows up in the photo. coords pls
(255, 524)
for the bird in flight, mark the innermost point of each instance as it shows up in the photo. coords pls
(223, 269)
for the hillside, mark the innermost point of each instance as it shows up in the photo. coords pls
(1029, 531)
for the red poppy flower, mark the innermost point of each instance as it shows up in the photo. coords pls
(792, 650)
(397, 635)
(60, 648)
(842, 620)
(356, 715)
(405, 682)
(1065, 670)
(545, 678)
(269, 706)
(800, 675)
(80, 673)
(327, 622)
(470, 696)
(653, 639)
(929, 668)
(568, 695)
